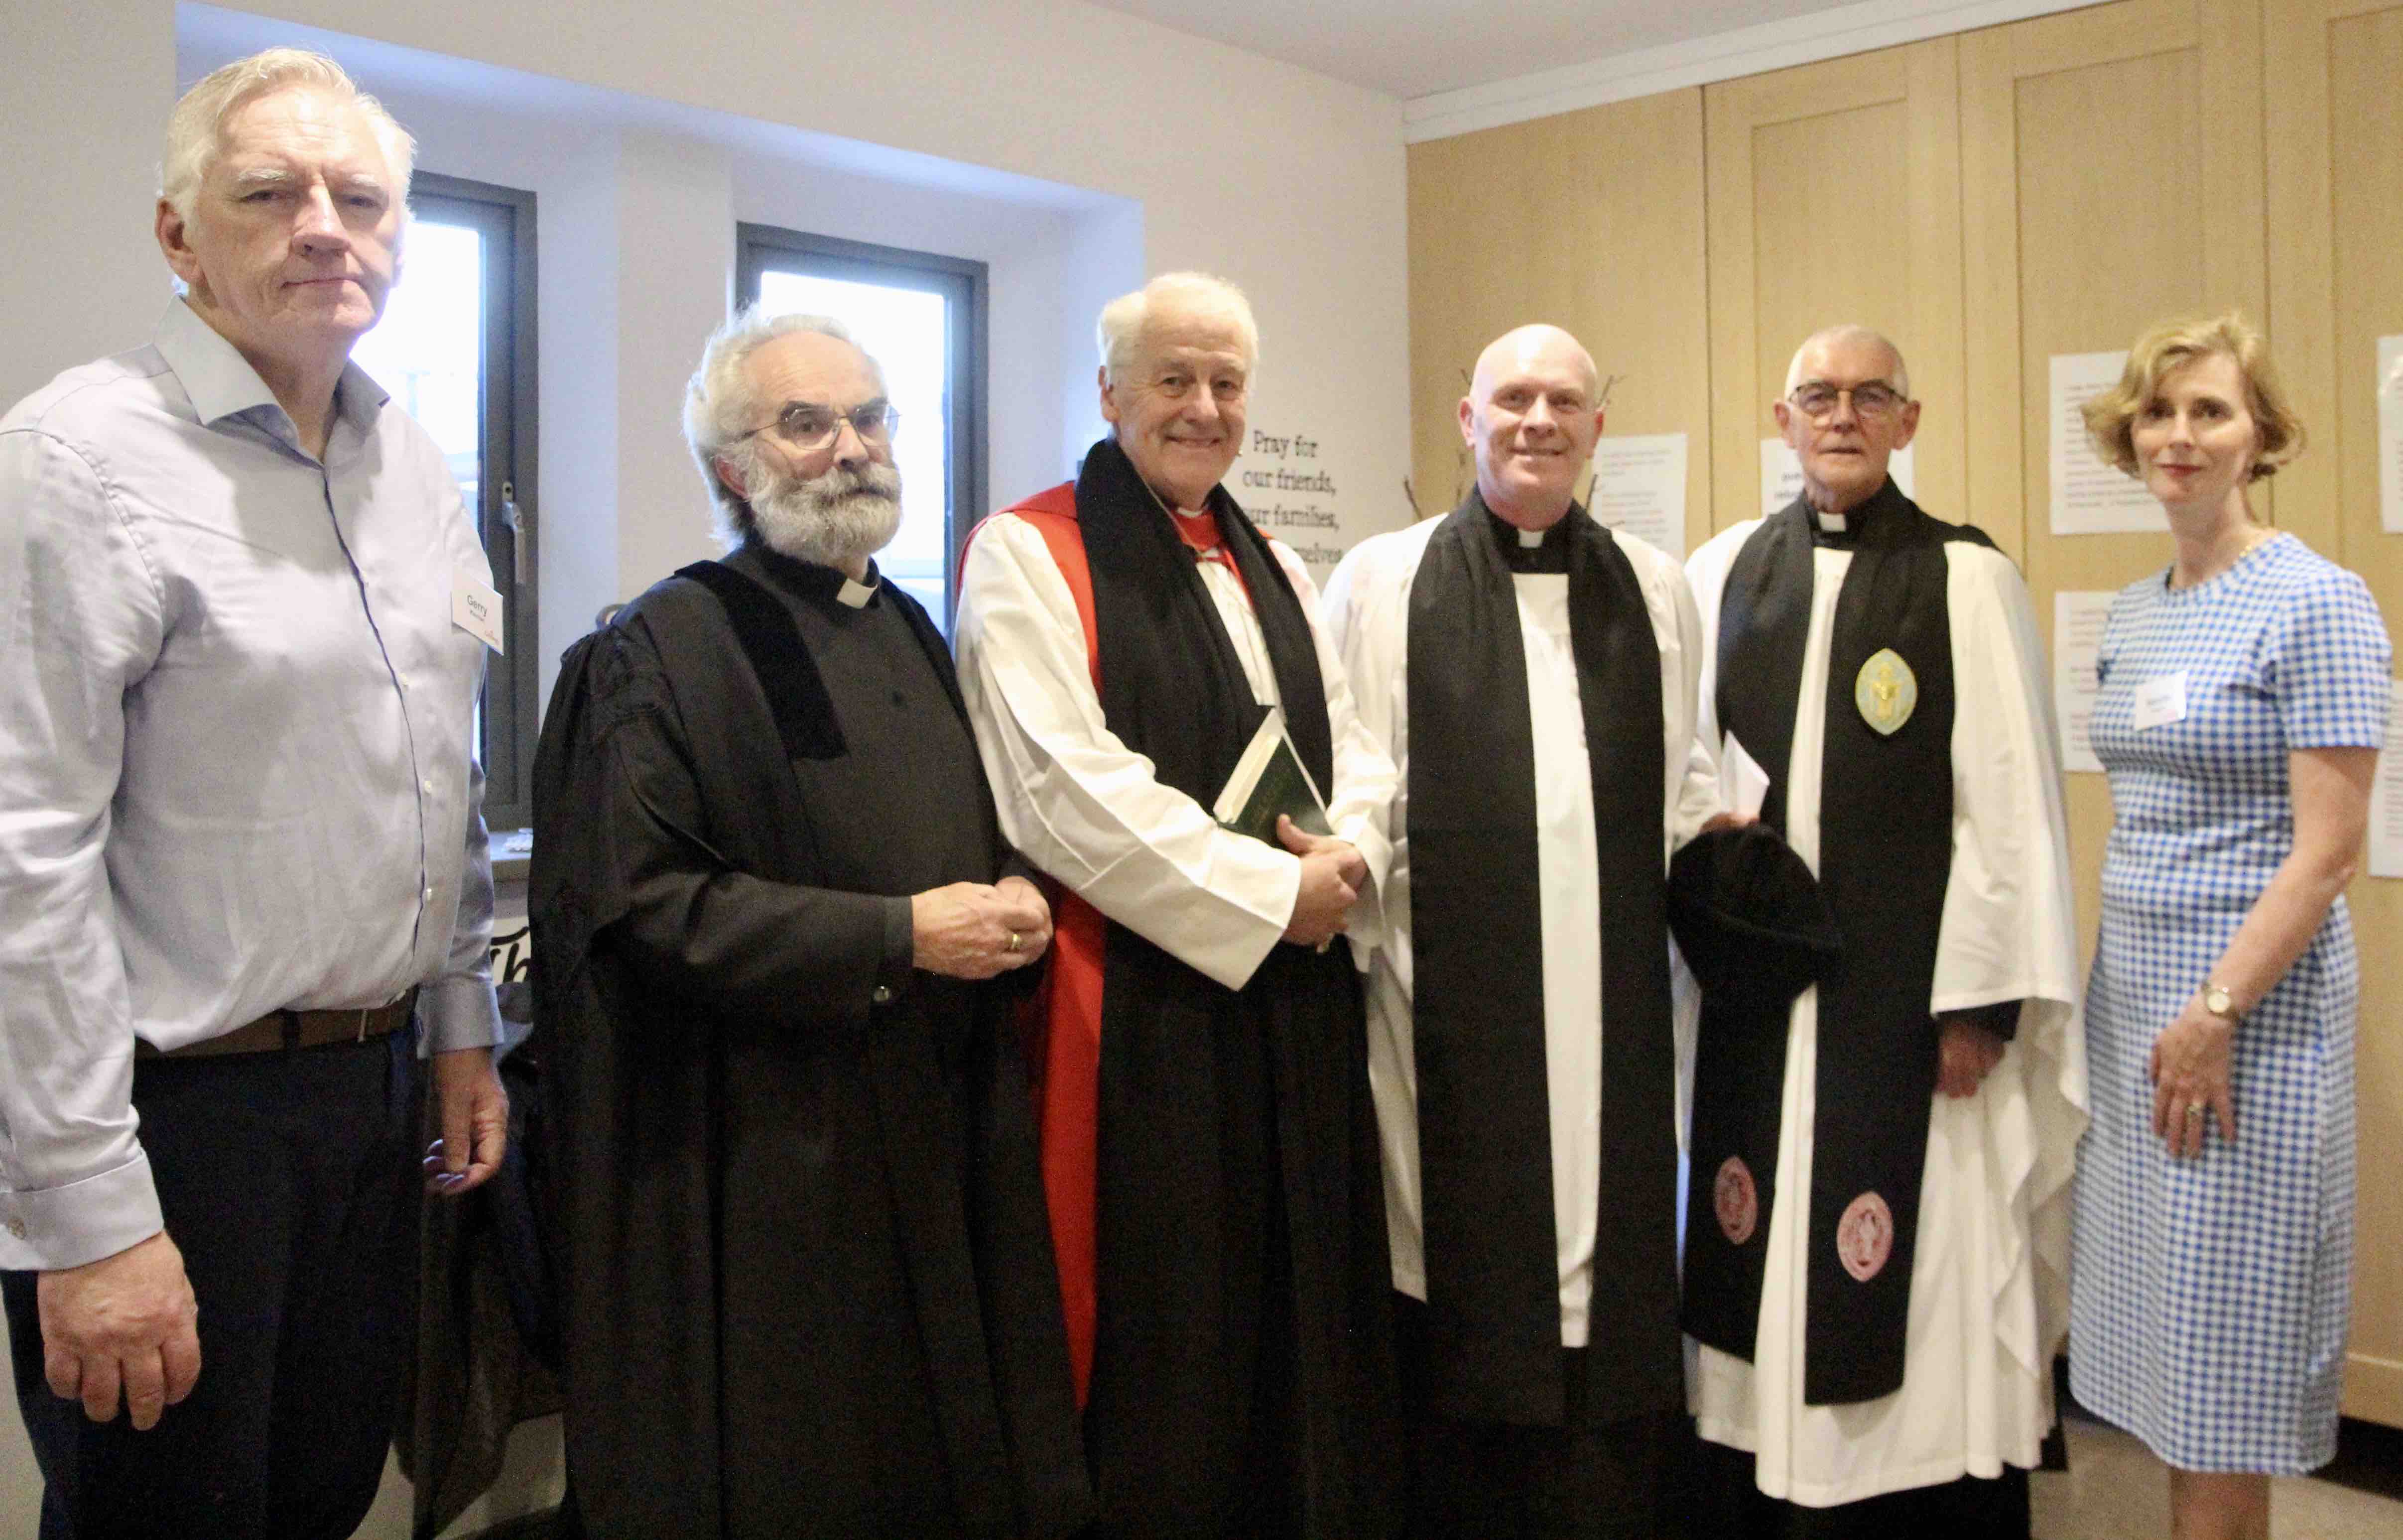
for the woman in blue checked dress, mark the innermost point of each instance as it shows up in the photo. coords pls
(2243, 696)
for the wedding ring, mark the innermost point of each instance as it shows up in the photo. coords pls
(1013, 942)
(2194, 1111)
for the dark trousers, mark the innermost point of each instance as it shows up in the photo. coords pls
(1720, 1502)
(289, 1181)
(1583, 1481)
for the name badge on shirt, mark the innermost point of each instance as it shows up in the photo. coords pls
(476, 605)
(2160, 699)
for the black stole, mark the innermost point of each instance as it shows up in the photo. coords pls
(771, 644)
(1484, 1109)
(1181, 1054)
(1172, 686)
(1885, 853)
(788, 676)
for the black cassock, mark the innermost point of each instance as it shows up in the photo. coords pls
(808, 1281)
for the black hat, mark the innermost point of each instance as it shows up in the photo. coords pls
(1749, 917)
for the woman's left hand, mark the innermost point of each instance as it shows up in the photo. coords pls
(2189, 1069)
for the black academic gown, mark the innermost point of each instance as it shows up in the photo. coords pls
(808, 1283)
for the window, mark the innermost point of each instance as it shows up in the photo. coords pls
(922, 317)
(456, 349)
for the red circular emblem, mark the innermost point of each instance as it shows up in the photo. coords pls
(1737, 1201)
(1865, 1236)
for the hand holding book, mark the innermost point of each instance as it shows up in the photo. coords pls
(1271, 797)
(1332, 874)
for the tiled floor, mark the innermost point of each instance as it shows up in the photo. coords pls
(2115, 1490)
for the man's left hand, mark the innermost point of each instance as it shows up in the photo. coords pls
(1018, 890)
(1965, 1054)
(1351, 865)
(475, 1122)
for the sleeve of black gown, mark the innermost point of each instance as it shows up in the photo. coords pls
(728, 938)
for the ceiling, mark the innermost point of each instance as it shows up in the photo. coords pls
(1418, 47)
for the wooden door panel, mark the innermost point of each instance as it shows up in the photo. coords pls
(1835, 197)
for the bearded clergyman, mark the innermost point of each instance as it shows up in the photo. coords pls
(809, 1288)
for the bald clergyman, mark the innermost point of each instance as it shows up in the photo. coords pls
(1534, 675)
(1876, 1240)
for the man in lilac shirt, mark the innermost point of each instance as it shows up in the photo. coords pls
(241, 849)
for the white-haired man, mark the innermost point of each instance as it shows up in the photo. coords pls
(1209, 1147)
(1534, 675)
(808, 1287)
(240, 844)
(1876, 1240)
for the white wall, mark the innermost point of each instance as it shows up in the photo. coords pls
(80, 110)
(1073, 149)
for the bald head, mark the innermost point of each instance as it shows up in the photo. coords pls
(1532, 417)
(1847, 338)
(1539, 342)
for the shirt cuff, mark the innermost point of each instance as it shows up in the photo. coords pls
(1368, 920)
(80, 1222)
(893, 975)
(458, 1013)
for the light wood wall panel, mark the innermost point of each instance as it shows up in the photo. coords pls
(2336, 285)
(1835, 197)
(1592, 220)
(2114, 176)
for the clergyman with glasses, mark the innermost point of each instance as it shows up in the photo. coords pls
(1876, 1243)
(808, 1285)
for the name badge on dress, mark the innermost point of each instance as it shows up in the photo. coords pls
(2160, 699)
(475, 606)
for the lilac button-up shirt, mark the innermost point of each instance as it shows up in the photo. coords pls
(236, 772)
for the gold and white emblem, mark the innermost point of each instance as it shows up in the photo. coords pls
(1887, 691)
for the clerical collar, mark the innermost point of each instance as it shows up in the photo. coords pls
(1544, 550)
(814, 581)
(1863, 523)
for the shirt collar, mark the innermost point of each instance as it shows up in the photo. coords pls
(1868, 522)
(809, 580)
(1548, 552)
(221, 382)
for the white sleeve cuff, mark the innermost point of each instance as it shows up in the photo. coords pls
(458, 1012)
(81, 1222)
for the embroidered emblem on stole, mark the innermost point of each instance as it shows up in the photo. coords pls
(1887, 691)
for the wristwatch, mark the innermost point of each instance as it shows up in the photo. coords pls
(2220, 1001)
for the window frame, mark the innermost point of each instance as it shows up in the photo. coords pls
(965, 281)
(510, 410)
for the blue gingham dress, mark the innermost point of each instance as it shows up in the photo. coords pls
(2209, 1298)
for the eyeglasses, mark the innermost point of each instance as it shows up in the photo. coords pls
(1818, 399)
(808, 427)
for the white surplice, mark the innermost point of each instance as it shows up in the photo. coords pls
(1368, 613)
(1989, 1286)
(1088, 810)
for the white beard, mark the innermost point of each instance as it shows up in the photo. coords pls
(838, 520)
